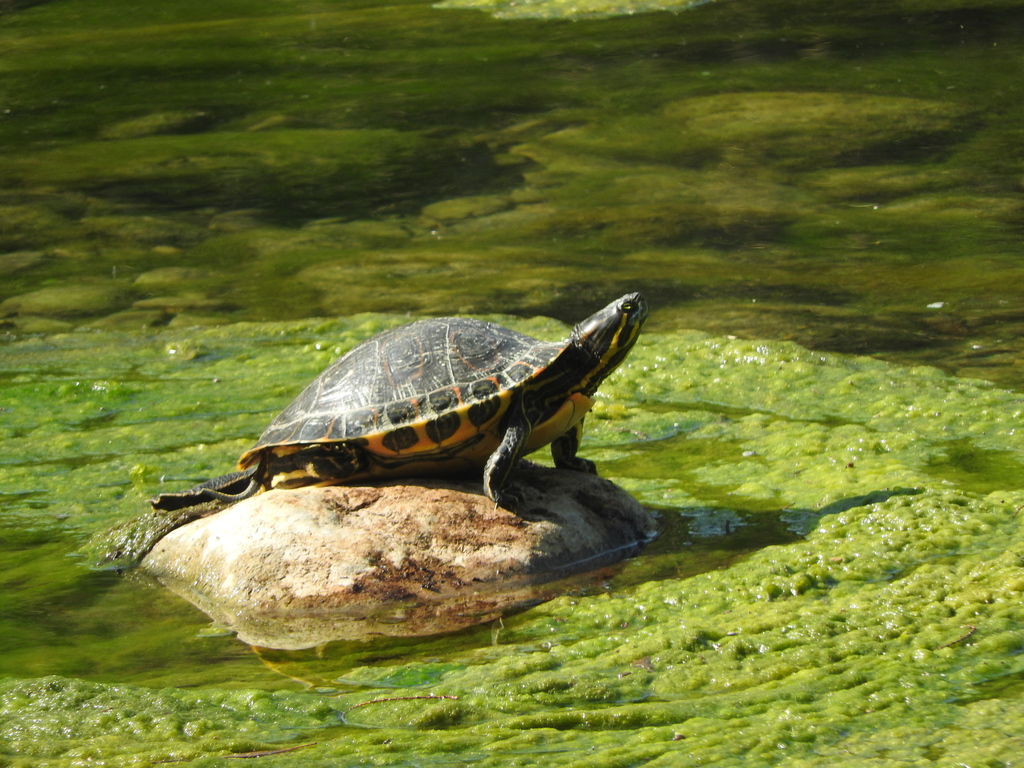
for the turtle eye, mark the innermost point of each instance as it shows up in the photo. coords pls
(630, 306)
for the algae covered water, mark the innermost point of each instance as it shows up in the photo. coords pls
(202, 205)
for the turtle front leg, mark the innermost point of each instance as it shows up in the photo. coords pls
(563, 450)
(499, 466)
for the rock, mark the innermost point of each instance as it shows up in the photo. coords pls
(237, 221)
(182, 303)
(810, 129)
(767, 129)
(876, 183)
(29, 227)
(166, 250)
(466, 207)
(156, 123)
(171, 277)
(361, 233)
(378, 280)
(34, 324)
(188, 320)
(144, 230)
(274, 121)
(69, 300)
(131, 319)
(293, 569)
(19, 260)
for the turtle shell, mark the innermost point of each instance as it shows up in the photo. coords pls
(426, 391)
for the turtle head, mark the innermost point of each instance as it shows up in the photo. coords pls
(607, 336)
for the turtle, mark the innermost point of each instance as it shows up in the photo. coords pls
(438, 397)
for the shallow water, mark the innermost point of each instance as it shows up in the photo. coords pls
(846, 178)
(849, 179)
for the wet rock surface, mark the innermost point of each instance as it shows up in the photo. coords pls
(292, 569)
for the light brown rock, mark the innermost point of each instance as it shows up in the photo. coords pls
(293, 569)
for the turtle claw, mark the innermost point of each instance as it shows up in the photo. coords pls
(509, 499)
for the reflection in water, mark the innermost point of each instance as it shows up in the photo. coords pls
(447, 613)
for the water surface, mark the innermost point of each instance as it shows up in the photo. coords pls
(182, 188)
(848, 178)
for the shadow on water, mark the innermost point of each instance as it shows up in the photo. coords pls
(695, 540)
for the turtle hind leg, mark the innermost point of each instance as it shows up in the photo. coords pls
(563, 450)
(227, 488)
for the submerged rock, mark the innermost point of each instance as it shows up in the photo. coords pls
(184, 302)
(34, 324)
(156, 231)
(19, 260)
(293, 569)
(131, 319)
(466, 207)
(29, 227)
(172, 277)
(68, 300)
(156, 123)
(365, 233)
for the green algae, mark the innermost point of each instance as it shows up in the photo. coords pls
(137, 726)
(882, 624)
